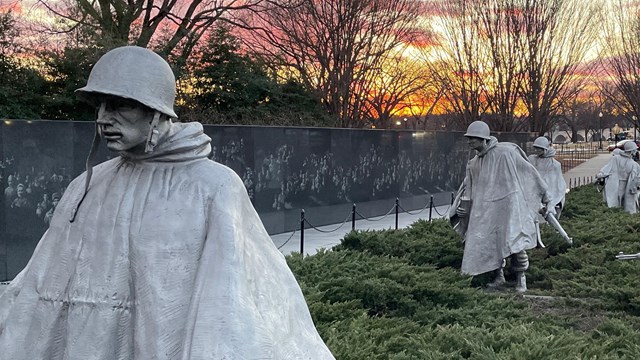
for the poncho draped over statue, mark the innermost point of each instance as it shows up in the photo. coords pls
(506, 192)
(166, 259)
(622, 176)
(551, 172)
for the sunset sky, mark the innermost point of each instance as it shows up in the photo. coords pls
(32, 12)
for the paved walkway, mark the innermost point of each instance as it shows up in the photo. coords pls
(327, 238)
(314, 240)
(587, 169)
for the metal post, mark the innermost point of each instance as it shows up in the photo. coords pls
(302, 232)
(353, 217)
(430, 207)
(600, 125)
(397, 205)
(570, 187)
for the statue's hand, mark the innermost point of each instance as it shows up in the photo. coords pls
(550, 209)
(543, 210)
(461, 212)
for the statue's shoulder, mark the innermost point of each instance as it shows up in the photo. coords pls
(507, 146)
(210, 172)
(507, 149)
(98, 170)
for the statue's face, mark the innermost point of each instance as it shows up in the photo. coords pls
(123, 124)
(476, 143)
(539, 150)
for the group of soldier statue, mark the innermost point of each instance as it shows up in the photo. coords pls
(159, 254)
(503, 198)
(620, 181)
(505, 195)
(621, 178)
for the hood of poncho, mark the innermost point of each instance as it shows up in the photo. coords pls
(493, 141)
(183, 142)
(548, 152)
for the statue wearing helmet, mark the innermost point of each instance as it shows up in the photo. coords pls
(621, 178)
(157, 253)
(551, 171)
(500, 186)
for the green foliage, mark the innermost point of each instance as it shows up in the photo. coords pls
(69, 70)
(398, 294)
(21, 86)
(227, 86)
(423, 243)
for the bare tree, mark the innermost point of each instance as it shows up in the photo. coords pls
(620, 59)
(480, 46)
(580, 112)
(501, 28)
(558, 34)
(424, 102)
(459, 58)
(506, 54)
(334, 45)
(169, 26)
(389, 89)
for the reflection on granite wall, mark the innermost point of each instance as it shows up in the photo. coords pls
(284, 170)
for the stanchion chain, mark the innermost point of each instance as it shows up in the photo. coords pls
(285, 243)
(328, 231)
(445, 212)
(411, 213)
(383, 216)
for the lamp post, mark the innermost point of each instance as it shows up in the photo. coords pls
(635, 126)
(600, 126)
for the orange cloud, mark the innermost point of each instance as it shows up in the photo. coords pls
(14, 7)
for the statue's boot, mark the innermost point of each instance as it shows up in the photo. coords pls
(521, 282)
(498, 280)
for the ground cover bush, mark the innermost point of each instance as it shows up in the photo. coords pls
(398, 294)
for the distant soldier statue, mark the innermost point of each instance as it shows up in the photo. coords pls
(621, 178)
(551, 172)
(496, 208)
(157, 253)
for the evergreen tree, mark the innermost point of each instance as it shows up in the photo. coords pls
(228, 86)
(21, 86)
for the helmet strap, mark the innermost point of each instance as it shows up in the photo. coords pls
(154, 134)
(89, 164)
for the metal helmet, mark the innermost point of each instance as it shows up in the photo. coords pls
(630, 146)
(134, 73)
(478, 129)
(541, 142)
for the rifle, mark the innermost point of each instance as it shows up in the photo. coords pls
(551, 219)
(623, 256)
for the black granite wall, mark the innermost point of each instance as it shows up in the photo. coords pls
(321, 170)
